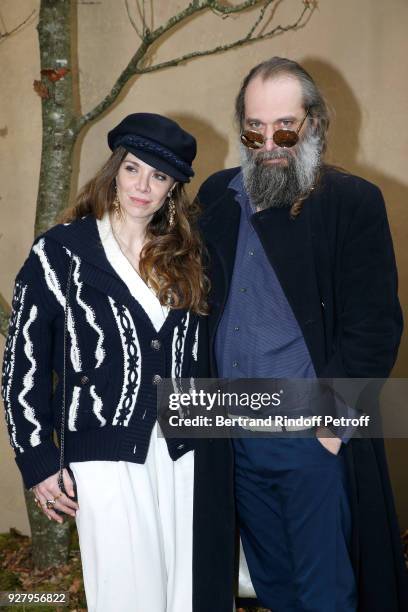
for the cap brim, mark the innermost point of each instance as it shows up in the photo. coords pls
(160, 164)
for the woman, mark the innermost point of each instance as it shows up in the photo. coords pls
(113, 301)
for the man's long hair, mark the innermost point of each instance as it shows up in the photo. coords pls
(171, 260)
(312, 97)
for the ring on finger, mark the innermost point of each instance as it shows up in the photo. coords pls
(50, 503)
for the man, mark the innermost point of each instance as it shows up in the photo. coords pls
(304, 285)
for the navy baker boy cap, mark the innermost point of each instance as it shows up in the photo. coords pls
(158, 141)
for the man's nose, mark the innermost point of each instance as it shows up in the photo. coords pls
(269, 143)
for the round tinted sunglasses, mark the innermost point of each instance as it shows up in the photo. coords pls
(283, 138)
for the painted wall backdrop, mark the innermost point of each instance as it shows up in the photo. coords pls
(356, 50)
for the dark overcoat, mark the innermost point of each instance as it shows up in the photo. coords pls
(336, 265)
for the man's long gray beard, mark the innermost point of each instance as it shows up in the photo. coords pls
(280, 185)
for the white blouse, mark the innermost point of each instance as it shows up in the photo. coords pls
(146, 297)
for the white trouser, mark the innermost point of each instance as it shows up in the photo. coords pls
(135, 531)
(245, 586)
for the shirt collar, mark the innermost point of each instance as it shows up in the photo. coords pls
(241, 194)
(237, 183)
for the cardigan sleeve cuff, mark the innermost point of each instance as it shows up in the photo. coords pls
(38, 463)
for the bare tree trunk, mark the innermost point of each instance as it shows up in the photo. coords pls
(59, 122)
(49, 539)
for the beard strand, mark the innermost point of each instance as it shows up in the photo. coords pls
(281, 185)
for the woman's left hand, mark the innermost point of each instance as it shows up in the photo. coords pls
(49, 496)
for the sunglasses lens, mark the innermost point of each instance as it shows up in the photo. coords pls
(285, 138)
(252, 140)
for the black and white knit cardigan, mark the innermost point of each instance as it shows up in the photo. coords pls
(115, 357)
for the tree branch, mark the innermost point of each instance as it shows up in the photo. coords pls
(132, 21)
(228, 10)
(128, 72)
(132, 67)
(150, 37)
(237, 43)
(142, 13)
(7, 33)
(260, 17)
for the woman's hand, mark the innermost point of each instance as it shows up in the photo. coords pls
(49, 491)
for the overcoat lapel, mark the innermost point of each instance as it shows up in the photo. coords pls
(220, 227)
(289, 247)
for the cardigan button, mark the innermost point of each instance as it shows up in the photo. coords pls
(156, 380)
(156, 345)
(84, 380)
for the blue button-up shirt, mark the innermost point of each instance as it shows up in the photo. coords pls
(258, 335)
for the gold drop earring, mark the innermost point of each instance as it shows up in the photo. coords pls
(116, 204)
(171, 213)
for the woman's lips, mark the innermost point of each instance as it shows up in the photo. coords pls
(139, 200)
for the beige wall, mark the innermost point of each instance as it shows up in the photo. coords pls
(356, 50)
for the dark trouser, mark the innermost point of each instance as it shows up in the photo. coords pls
(295, 524)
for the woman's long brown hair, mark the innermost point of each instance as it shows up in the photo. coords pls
(172, 259)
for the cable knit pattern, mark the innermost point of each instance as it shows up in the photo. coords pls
(115, 356)
(179, 338)
(195, 345)
(73, 409)
(90, 315)
(97, 406)
(132, 364)
(28, 380)
(9, 358)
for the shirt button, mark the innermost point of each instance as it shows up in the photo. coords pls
(251, 252)
(235, 364)
(236, 328)
(243, 290)
(156, 379)
(155, 344)
(84, 380)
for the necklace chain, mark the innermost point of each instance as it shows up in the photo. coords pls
(119, 242)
